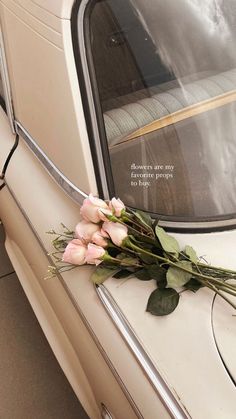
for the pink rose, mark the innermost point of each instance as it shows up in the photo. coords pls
(90, 207)
(85, 230)
(117, 206)
(117, 232)
(100, 238)
(94, 254)
(75, 253)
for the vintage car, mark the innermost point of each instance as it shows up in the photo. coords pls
(133, 99)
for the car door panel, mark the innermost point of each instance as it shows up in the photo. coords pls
(32, 203)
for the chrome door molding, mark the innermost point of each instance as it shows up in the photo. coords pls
(105, 413)
(6, 84)
(71, 190)
(167, 397)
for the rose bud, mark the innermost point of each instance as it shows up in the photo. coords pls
(100, 239)
(117, 206)
(85, 230)
(94, 254)
(90, 207)
(117, 232)
(75, 252)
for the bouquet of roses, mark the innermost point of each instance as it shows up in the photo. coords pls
(124, 243)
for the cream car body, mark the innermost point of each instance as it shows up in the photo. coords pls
(113, 353)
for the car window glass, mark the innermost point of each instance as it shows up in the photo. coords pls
(166, 75)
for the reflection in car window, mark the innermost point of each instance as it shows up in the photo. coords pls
(166, 75)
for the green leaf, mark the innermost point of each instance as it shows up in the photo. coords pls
(176, 277)
(145, 240)
(101, 274)
(147, 259)
(159, 274)
(193, 285)
(169, 243)
(191, 253)
(154, 269)
(162, 302)
(122, 274)
(143, 275)
(144, 218)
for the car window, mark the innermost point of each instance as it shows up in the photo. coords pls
(166, 76)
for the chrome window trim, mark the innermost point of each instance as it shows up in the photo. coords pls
(85, 67)
(167, 397)
(71, 190)
(79, 311)
(203, 226)
(6, 83)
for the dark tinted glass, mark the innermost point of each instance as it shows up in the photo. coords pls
(166, 74)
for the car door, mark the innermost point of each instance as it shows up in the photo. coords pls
(48, 176)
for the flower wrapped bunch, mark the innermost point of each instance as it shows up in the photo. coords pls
(124, 243)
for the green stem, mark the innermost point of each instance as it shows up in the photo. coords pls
(215, 268)
(227, 290)
(154, 242)
(219, 282)
(108, 258)
(67, 236)
(169, 262)
(221, 295)
(138, 223)
(220, 287)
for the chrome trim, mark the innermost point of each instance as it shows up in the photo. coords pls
(199, 225)
(167, 397)
(6, 84)
(75, 193)
(79, 311)
(82, 48)
(105, 412)
(217, 345)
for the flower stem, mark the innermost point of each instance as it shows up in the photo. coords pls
(169, 262)
(130, 218)
(217, 269)
(219, 286)
(108, 258)
(213, 288)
